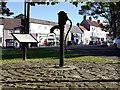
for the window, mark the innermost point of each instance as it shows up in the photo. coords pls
(45, 28)
(10, 42)
(102, 39)
(10, 32)
(17, 31)
(0, 40)
(39, 27)
(118, 37)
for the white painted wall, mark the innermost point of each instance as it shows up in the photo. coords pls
(1, 34)
(97, 32)
(86, 37)
(1, 30)
(40, 28)
(42, 31)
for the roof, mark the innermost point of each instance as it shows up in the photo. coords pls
(10, 23)
(94, 23)
(74, 29)
(1, 21)
(39, 21)
(83, 28)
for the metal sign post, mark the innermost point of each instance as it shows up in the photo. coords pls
(26, 27)
(24, 39)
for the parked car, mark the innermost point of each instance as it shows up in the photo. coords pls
(116, 42)
(105, 43)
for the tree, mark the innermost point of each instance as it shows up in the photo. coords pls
(109, 10)
(4, 10)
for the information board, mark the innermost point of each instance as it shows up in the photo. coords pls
(24, 38)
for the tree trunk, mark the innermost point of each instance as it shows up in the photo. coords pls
(113, 21)
(114, 30)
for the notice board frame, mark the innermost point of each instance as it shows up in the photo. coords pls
(24, 38)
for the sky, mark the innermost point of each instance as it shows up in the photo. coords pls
(48, 12)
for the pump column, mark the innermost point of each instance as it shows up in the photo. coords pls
(61, 46)
(62, 18)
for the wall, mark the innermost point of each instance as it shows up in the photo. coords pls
(41, 31)
(7, 35)
(1, 35)
(97, 32)
(86, 37)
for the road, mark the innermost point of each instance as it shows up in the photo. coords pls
(107, 52)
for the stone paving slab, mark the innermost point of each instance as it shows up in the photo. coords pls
(73, 76)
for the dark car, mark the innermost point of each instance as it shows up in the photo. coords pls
(92, 43)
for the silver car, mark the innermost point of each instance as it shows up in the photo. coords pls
(116, 42)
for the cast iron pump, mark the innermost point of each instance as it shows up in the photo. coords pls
(62, 19)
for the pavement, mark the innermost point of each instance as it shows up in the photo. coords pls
(75, 75)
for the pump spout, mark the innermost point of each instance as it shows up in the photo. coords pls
(53, 28)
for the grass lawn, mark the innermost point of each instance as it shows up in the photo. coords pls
(10, 56)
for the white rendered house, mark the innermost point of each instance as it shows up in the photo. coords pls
(92, 31)
(1, 35)
(41, 30)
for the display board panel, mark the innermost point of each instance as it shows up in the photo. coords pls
(24, 38)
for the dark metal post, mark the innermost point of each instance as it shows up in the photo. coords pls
(27, 17)
(24, 21)
(62, 18)
(26, 27)
(24, 51)
(24, 31)
(61, 46)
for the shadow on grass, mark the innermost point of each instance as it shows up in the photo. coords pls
(35, 53)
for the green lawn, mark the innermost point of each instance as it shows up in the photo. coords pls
(9, 56)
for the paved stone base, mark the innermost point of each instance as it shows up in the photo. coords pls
(75, 75)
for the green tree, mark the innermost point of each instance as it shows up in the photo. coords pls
(109, 10)
(5, 10)
(118, 27)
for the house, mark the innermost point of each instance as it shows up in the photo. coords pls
(38, 28)
(41, 28)
(1, 34)
(9, 25)
(82, 33)
(75, 34)
(85, 35)
(92, 30)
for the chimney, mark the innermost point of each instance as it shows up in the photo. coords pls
(78, 24)
(98, 21)
(90, 18)
(84, 18)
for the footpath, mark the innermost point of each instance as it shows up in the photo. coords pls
(75, 75)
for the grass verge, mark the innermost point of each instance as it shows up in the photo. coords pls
(13, 56)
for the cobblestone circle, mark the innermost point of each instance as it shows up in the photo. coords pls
(74, 76)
